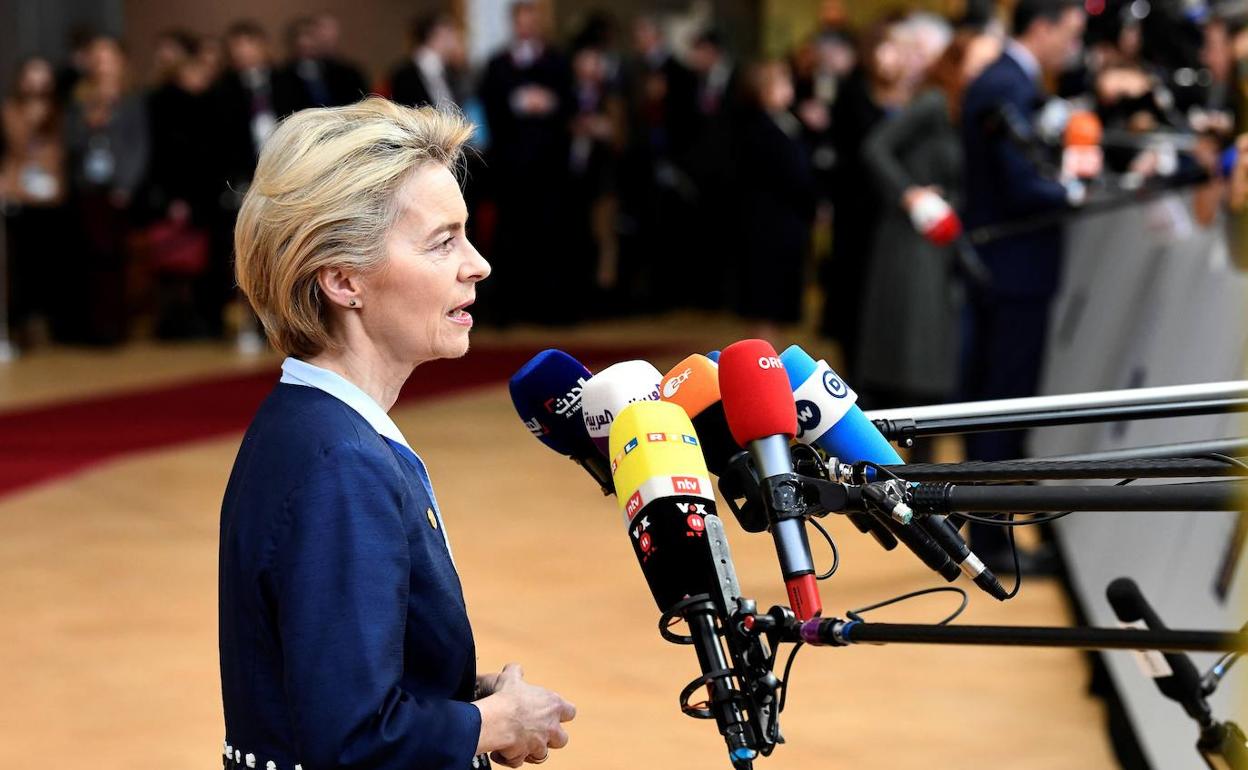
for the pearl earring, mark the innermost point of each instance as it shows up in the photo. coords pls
(352, 303)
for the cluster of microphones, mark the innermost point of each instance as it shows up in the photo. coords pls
(654, 440)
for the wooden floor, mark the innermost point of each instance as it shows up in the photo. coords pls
(108, 590)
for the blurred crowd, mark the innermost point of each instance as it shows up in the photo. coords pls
(632, 170)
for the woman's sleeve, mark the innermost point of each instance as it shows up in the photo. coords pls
(890, 136)
(342, 581)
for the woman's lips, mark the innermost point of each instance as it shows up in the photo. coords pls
(460, 315)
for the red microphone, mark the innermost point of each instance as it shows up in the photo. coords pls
(758, 404)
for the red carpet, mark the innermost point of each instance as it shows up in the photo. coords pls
(48, 442)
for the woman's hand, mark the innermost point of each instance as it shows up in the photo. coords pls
(520, 722)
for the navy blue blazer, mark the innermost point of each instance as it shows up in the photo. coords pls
(344, 638)
(1003, 184)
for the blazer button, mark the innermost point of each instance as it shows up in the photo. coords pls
(433, 520)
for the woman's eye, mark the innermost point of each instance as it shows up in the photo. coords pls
(445, 246)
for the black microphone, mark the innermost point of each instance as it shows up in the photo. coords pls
(1175, 674)
(665, 494)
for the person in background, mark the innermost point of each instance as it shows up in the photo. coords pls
(819, 71)
(251, 97)
(173, 47)
(248, 101)
(655, 190)
(347, 83)
(909, 349)
(777, 199)
(74, 69)
(1007, 322)
(711, 167)
(874, 90)
(32, 197)
(430, 74)
(327, 82)
(182, 192)
(527, 94)
(597, 138)
(106, 138)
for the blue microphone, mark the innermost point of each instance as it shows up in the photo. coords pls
(828, 416)
(546, 392)
(713, 355)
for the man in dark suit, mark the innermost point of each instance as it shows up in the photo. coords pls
(251, 97)
(247, 103)
(327, 80)
(527, 95)
(656, 191)
(427, 76)
(1007, 322)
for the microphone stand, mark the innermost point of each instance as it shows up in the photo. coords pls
(904, 431)
(902, 425)
(1047, 470)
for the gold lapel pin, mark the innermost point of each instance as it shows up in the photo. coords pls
(433, 520)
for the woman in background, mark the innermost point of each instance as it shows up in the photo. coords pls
(908, 349)
(106, 135)
(876, 89)
(32, 193)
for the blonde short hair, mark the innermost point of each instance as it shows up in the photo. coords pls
(324, 195)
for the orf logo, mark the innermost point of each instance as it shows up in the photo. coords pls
(834, 385)
(686, 485)
(769, 362)
(633, 505)
(808, 416)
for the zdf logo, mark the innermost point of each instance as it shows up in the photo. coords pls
(671, 386)
(769, 362)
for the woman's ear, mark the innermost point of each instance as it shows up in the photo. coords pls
(341, 286)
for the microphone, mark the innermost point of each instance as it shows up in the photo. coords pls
(1174, 672)
(759, 407)
(934, 219)
(1082, 157)
(829, 417)
(693, 385)
(669, 510)
(611, 390)
(547, 392)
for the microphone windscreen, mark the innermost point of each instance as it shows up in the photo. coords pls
(828, 414)
(547, 392)
(654, 454)
(610, 391)
(758, 401)
(714, 356)
(1127, 601)
(692, 384)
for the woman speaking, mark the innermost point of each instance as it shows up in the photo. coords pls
(344, 638)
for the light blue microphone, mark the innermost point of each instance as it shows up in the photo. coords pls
(828, 416)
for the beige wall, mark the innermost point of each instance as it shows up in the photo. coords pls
(374, 32)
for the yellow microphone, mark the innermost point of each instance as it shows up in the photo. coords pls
(655, 453)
